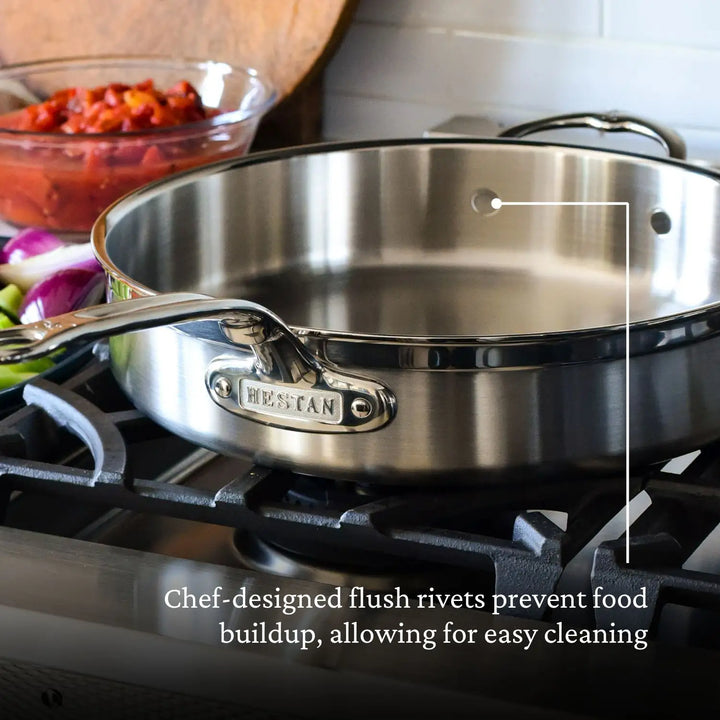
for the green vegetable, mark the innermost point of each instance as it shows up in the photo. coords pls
(10, 299)
(12, 374)
(19, 372)
(5, 321)
(35, 366)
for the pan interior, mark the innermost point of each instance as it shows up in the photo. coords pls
(402, 241)
(423, 300)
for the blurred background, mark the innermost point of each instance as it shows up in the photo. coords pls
(350, 69)
(408, 65)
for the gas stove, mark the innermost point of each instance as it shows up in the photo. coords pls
(118, 539)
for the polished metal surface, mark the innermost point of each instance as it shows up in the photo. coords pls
(605, 122)
(97, 611)
(499, 332)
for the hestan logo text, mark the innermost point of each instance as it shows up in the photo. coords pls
(322, 405)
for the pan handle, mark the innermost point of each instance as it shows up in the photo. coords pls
(283, 385)
(612, 121)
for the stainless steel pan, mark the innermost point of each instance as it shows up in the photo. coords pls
(427, 335)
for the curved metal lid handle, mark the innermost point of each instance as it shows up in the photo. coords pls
(612, 121)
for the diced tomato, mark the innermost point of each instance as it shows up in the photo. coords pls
(65, 185)
(113, 95)
(115, 107)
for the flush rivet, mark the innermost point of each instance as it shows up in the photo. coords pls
(485, 201)
(360, 408)
(222, 387)
(660, 222)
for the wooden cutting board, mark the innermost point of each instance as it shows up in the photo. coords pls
(287, 40)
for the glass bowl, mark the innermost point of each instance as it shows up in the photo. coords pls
(63, 181)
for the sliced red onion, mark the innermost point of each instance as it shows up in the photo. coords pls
(29, 272)
(62, 292)
(28, 243)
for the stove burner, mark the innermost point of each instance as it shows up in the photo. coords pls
(313, 491)
(257, 554)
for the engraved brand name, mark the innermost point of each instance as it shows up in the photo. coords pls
(322, 405)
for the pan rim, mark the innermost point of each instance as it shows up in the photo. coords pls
(603, 342)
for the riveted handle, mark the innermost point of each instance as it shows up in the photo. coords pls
(284, 385)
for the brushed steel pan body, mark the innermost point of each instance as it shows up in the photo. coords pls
(499, 334)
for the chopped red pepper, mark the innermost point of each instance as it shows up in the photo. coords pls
(115, 108)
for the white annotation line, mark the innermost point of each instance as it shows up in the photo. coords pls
(496, 203)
